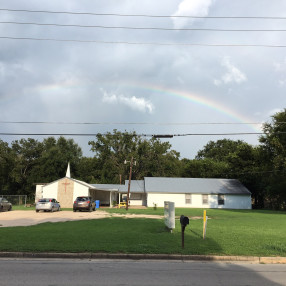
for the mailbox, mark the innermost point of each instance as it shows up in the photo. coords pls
(184, 220)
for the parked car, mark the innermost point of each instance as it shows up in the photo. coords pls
(48, 204)
(5, 205)
(84, 203)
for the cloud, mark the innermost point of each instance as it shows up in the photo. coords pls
(136, 103)
(199, 8)
(233, 74)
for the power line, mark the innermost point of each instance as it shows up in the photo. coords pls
(133, 123)
(137, 135)
(144, 28)
(143, 43)
(144, 15)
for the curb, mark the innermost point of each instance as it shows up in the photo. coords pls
(251, 259)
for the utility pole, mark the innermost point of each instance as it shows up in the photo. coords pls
(129, 183)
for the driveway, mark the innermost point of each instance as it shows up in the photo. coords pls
(26, 218)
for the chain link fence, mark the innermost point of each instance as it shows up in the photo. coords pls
(16, 200)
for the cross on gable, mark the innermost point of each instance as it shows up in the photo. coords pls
(66, 183)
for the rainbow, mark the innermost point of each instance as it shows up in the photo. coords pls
(200, 100)
(184, 95)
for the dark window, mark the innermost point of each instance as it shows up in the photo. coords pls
(220, 199)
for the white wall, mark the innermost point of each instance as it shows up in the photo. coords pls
(39, 192)
(79, 190)
(230, 201)
(51, 190)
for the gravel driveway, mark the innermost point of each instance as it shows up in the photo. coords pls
(26, 218)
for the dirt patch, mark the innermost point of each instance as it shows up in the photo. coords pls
(27, 218)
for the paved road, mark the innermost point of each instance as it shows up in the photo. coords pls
(126, 272)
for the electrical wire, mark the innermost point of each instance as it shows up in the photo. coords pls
(137, 135)
(143, 43)
(144, 28)
(144, 15)
(135, 123)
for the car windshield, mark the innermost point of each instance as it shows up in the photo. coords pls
(82, 199)
(45, 200)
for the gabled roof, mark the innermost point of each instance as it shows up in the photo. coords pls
(194, 186)
(77, 181)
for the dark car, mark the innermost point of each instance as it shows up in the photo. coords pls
(84, 203)
(5, 205)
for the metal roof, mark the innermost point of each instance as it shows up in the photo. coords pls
(106, 187)
(173, 186)
(136, 186)
(194, 186)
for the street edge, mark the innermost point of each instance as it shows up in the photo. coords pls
(216, 258)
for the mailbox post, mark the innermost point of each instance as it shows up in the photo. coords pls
(184, 220)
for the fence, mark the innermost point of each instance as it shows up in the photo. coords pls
(16, 199)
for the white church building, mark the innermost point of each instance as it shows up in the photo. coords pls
(151, 191)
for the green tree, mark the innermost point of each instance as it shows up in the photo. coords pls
(6, 167)
(204, 168)
(55, 157)
(153, 157)
(274, 149)
(237, 160)
(26, 154)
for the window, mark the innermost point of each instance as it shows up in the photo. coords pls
(205, 199)
(220, 199)
(188, 198)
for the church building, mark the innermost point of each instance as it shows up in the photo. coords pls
(151, 191)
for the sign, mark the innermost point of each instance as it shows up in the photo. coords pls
(169, 214)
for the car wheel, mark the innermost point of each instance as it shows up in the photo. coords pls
(59, 209)
(74, 210)
(37, 211)
(10, 208)
(90, 208)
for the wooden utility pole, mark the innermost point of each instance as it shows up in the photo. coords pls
(129, 183)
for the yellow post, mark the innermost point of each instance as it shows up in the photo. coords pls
(204, 227)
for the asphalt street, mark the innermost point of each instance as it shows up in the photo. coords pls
(54, 272)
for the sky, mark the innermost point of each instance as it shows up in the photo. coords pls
(205, 74)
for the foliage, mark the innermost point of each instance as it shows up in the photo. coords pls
(153, 157)
(274, 150)
(260, 168)
(29, 161)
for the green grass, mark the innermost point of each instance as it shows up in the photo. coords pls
(229, 232)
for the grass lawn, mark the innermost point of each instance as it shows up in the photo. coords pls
(229, 232)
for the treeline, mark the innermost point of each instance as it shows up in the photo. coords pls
(262, 168)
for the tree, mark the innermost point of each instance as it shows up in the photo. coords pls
(6, 167)
(26, 154)
(153, 157)
(219, 150)
(55, 157)
(237, 160)
(274, 149)
(204, 168)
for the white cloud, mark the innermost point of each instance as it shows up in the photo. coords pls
(136, 103)
(233, 74)
(199, 8)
